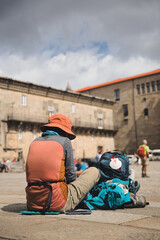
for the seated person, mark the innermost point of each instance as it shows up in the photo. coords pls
(3, 166)
(50, 171)
(80, 167)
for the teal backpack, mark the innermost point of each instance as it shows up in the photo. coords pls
(109, 195)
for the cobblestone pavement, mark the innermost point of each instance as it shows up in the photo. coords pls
(140, 223)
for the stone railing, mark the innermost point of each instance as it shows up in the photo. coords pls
(27, 118)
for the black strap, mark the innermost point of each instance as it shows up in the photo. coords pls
(38, 183)
(47, 206)
(46, 184)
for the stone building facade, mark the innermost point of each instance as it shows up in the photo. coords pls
(24, 107)
(137, 109)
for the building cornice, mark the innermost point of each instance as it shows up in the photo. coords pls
(41, 90)
(120, 80)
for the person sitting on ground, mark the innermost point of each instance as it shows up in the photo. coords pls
(143, 152)
(4, 166)
(80, 167)
(50, 171)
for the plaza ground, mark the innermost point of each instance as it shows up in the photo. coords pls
(121, 224)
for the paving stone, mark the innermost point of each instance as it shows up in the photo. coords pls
(105, 217)
(149, 222)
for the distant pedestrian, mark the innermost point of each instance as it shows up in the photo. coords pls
(80, 167)
(143, 153)
(99, 154)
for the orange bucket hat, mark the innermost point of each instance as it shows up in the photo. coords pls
(62, 122)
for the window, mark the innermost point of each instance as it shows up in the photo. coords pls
(24, 100)
(138, 89)
(126, 121)
(158, 85)
(100, 123)
(146, 112)
(117, 95)
(125, 110)
(148, 87)
(100, 115)
(100, 120)
(50, 110)
(73, 108)
(143, 88)
(153, 86)
(99, 148)
(19, 134)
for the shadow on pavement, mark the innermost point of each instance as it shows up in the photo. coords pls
(16, 208)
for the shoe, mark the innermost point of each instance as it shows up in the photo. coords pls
(136, 201)
(146, 176)
(140, 201)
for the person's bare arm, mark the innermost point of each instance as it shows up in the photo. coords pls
(79, 173)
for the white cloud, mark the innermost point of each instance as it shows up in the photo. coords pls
(130, 28)
(54, 42)
(80, 69)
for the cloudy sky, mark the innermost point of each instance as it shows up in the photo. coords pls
(80, 42)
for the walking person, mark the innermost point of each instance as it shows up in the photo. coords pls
(50, 171)
(143, 153)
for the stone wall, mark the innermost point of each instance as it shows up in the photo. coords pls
(135, 127)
